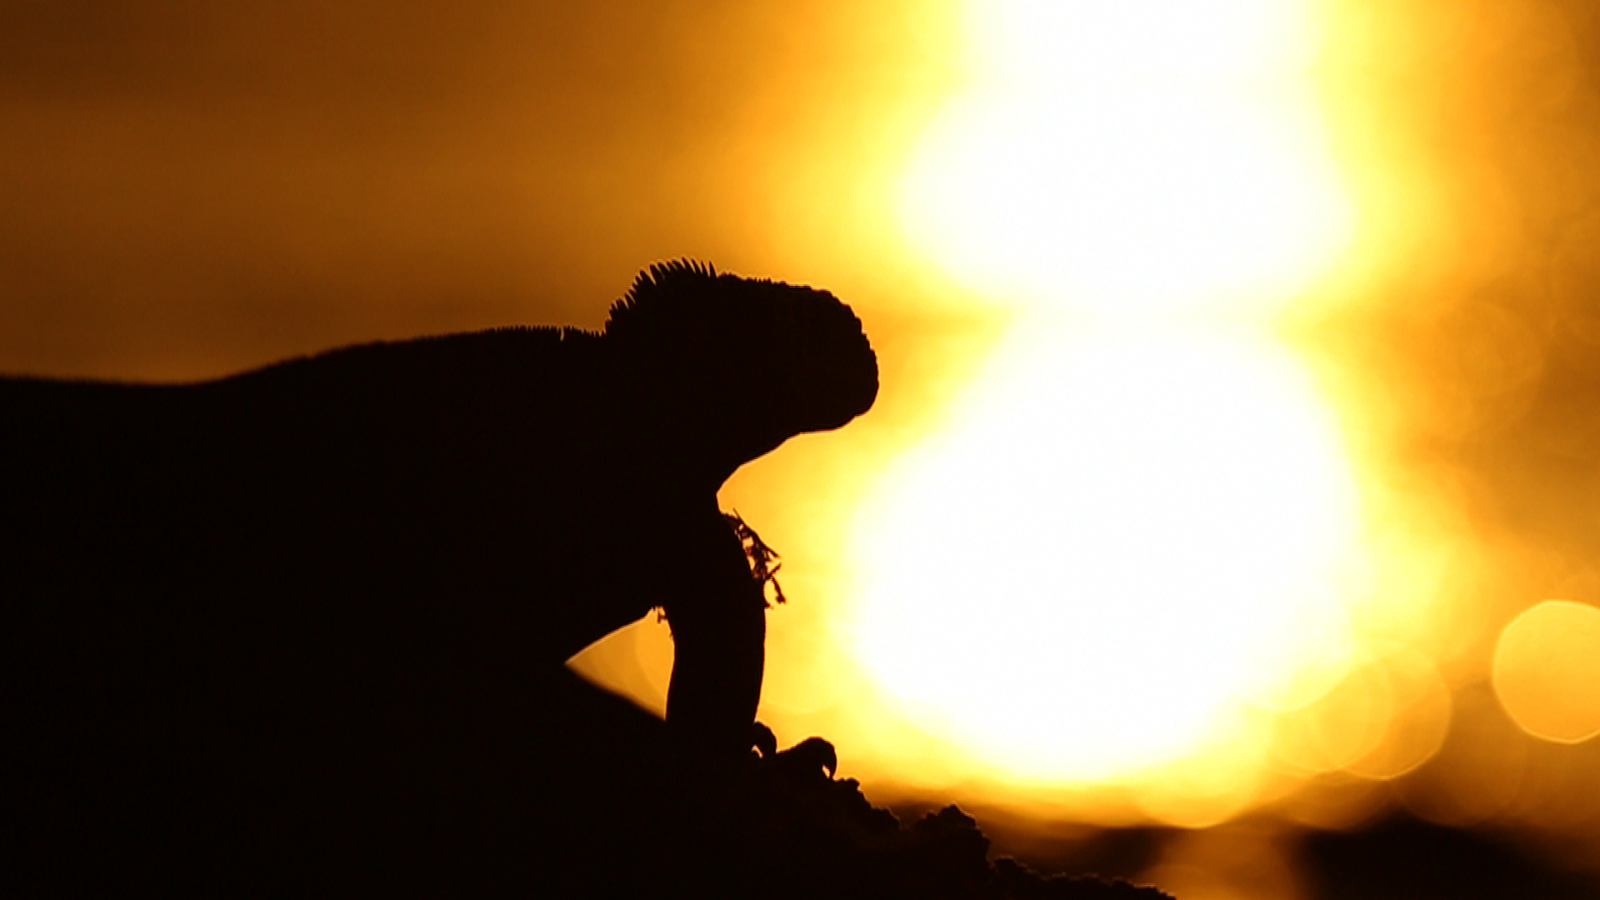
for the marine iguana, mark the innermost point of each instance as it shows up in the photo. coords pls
(328, 577)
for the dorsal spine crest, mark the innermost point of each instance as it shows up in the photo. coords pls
(655, 288)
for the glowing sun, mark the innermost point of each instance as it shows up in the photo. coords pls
(1116, 541)
(1136, 522)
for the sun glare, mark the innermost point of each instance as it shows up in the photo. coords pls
(1136, 530)
(1108, 551)
(1139, 157)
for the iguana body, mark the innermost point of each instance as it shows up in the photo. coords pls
(333, 573)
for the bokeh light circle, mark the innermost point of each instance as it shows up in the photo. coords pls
(1547, 671)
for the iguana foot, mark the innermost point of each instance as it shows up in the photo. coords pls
(762, 738)
(807, 758)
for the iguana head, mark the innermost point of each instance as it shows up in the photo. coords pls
(751, 363)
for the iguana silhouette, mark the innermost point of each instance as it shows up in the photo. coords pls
(315, 590)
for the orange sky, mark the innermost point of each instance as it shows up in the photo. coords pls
(213, 186)
(202, 188)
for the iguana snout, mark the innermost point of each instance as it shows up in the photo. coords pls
(835, 373)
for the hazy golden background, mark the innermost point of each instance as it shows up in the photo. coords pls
(1259, 300)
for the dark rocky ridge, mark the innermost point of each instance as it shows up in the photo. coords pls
(584, 795)
(632, 815)
(782, 831)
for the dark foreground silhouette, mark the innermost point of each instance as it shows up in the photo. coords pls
(304, 628)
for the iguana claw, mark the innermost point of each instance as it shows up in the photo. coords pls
(765, 742)
(809, 756)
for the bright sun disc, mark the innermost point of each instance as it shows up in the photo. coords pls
(1118, 542)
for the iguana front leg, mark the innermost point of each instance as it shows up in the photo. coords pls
(719, 629)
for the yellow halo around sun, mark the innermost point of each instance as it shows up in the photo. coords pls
(1142, 157)
(1135, 532)
(1117, 542)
